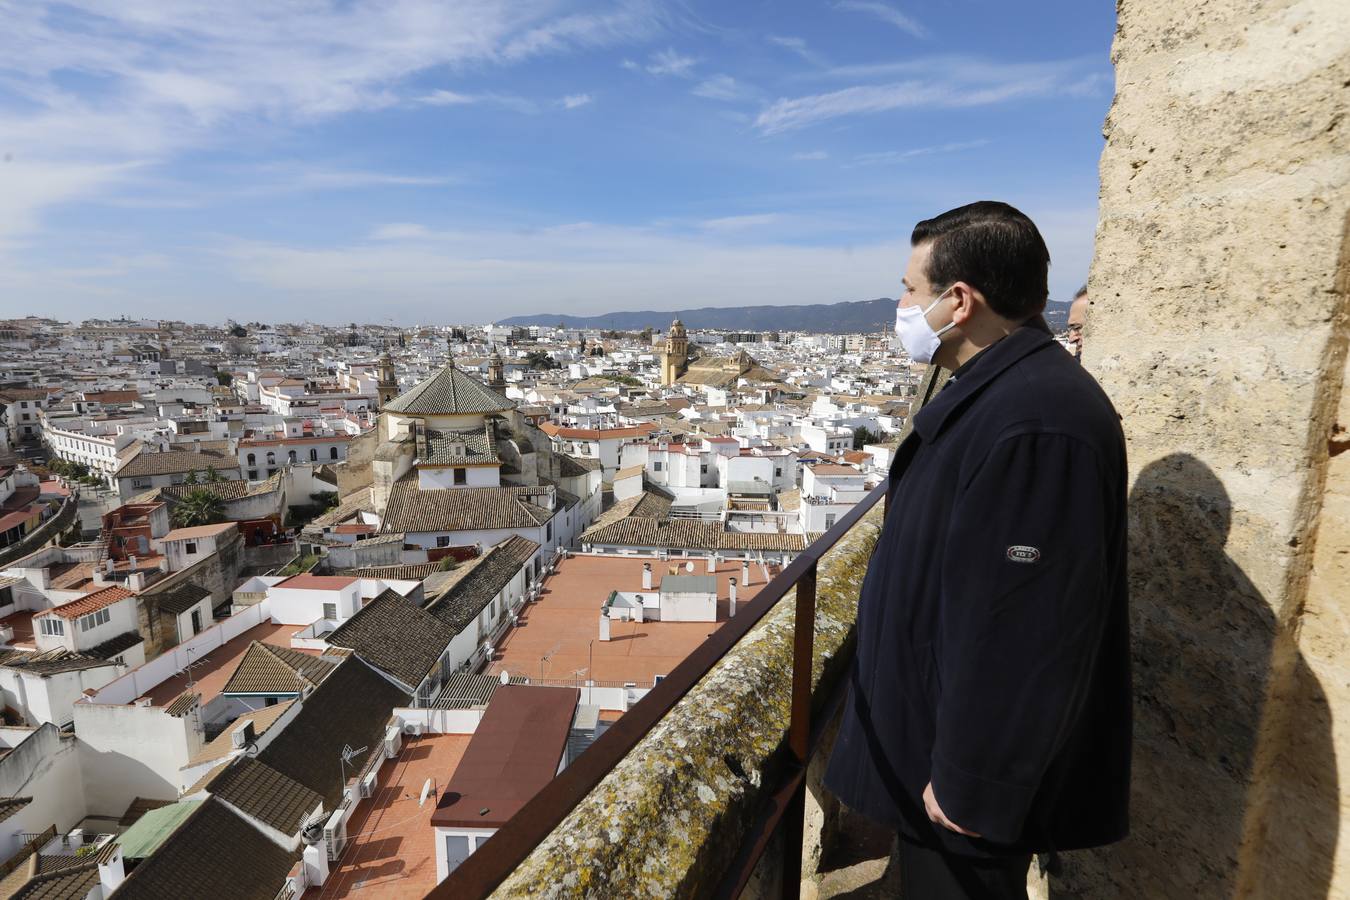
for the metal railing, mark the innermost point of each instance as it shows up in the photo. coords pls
(494, 860)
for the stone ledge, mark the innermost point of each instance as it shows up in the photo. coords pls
(672, 815)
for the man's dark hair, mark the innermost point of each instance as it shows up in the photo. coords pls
(991, 246)
(1081, 292)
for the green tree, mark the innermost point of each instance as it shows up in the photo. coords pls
(238, 331)
(224, 378)
(199, 507)
(212, 476)
(191, 477)
(863, 435)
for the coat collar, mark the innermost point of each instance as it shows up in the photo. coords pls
(929, 421)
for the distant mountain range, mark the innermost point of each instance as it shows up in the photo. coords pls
(850, 317)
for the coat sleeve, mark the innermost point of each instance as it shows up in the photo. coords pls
(1023, 608)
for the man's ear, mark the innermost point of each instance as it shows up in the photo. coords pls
(964, 300)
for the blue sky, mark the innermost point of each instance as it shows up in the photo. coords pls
(433, 161)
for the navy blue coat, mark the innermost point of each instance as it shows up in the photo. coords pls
(993, 630)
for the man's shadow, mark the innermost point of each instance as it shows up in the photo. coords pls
(1224, 781)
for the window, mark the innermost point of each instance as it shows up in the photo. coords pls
(290, 455)
(330, 610)
(778, 472)
(829, 521)
(52, 625)
(703, 468)
(190, 547)
(252, 474)
(94, 619)
(313, 454)
(461, 476)
(442, 541)
(140, 482)
(332, 453)
(196, 621)
(24, 417)
(548, 532)
(253, 459)
(271, 458)
(656, 467)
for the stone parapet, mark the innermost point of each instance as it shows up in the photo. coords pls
(668, 820)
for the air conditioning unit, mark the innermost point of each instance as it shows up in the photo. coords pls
(414, 729)
(335, 835)
(367, 786)
(393, 741)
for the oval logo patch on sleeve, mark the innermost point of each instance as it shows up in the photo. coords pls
(1023, 554)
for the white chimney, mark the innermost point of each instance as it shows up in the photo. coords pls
(646, 576)
(712, 563)
(745, 571)
(732, 607)
(604, 627)
(131, 563)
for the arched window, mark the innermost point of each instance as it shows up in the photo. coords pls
(252, 459)
(271, 458)
(291, 455)
(332, 453)
(313, 454)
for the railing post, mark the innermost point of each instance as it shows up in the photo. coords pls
(799, 727)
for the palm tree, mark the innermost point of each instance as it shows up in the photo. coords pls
(200, 507)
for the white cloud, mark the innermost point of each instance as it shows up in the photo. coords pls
(739, 223)
(798, 46)
(885, 13)
(811, 154)
(669, 62)
(158, 79)
(572, 101)
(899, 156)
(400, 231)
(963, 83)
(722, 87)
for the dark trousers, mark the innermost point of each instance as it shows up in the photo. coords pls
(930, 875)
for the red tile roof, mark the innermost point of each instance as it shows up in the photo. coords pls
(91, 602)
(198, 531)
(317, 582)
(596, 434)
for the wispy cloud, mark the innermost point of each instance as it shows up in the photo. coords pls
(723, 87)
(811, 154)
(977, 84)
(739, 223)
(886, 13)
(798, 46)
(671, 62)
(885, 157)
(572, 101)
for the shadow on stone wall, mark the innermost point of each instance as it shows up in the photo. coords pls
(1203, 641)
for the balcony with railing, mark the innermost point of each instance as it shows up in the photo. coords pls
(708, 785)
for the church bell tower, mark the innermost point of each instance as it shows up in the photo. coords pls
(675, 361)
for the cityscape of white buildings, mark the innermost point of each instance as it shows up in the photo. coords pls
(231, 554)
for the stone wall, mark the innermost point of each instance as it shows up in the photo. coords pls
(1218, 326)
(218, 573)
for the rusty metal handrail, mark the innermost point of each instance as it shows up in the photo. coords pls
(495, 859)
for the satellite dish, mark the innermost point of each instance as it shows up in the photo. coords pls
(428, 788)
(689, 567)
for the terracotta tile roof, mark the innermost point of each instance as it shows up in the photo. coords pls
(461, 509)
(262, 792)
(646, 505)
(10, 805)
(395, 635)
(225, 490)
(139, 807)
(183, 704)
(214, 853)
(174, 462)
(178, 599)
(272, 670)
(407, 571)
(595, 434)
(72, 878)
(223, 744)
(458, 605)
(687, 534)
(351, 707)
(572, 467)
(90, 602)
(465, 691)
(458, 448)
(448, 392)
(50, 662)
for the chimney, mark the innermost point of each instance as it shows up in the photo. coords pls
(646, 576)
(604, 626)
(712, 563)
(731, 608)
(745, 572)
(131, 562)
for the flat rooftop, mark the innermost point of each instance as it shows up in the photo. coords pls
(211, 672)
(22, 623)
(555, 635)
(391, 844)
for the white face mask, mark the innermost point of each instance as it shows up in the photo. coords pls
(916, 335)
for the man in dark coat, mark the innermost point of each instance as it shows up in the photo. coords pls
(989, 710)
